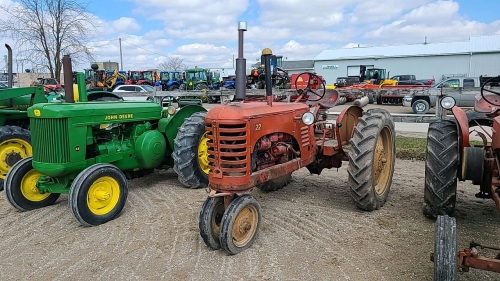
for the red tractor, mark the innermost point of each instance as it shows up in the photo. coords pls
(260, 144)
(140, 77)
(450, 157)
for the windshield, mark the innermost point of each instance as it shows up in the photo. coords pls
(136, 75)
(164, 75)
(148, 75)
(196, 76)
(175, 76)
(148, 88)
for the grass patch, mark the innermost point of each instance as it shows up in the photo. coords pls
(411, 147)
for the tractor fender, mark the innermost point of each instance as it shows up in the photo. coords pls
(346, 122)
(93, 95)
(462, 126)
(170, 124)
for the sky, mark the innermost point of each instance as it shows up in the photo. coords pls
(204, 33)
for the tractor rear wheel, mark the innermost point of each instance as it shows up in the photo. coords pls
(209, 221)
(191, 152)
(240, 224)
(371, 159)
(201, 87)
(275, 184)
(441, 167)
(15, 144)
(98, 194)
(173, 87)
(21, 190)
(107, 99)
(445, 249)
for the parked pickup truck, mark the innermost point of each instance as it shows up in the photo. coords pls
(463, 89)
(410, 79)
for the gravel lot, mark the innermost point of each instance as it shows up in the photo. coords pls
(310, 231)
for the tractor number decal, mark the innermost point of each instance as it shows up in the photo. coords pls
(118, 116)
(258, 127)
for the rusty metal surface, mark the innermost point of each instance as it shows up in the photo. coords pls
(346, 121)
(469, 258)
(463, 125)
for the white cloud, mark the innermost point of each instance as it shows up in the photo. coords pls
(125, 24)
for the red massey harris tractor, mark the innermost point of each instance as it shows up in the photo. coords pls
(450, 157)
(260, 144)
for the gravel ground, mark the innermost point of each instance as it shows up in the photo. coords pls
(311, 230)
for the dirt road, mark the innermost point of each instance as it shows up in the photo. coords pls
(310, 231)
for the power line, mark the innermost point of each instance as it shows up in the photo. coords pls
(144, 49)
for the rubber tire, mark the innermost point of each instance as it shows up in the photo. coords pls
(13, 190)
(79, 190)
(201, 87)
(182, 87)
(185, 152)
(227, 223)
(275, 184)
(445, 249)
(370, 98)
(361, 158)
(173, 87)
(424, 103)
(441, 168)
(379, 100)
(13, 132)
(209, 215)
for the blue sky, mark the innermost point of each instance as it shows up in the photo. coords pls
(204, 33)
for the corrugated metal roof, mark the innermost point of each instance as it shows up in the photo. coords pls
(475, 44)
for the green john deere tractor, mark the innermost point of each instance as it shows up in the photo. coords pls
(15, 141)
(88, 149)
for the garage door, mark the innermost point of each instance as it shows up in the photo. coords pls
(354, 70)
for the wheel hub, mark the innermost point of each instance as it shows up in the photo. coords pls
(12, 158)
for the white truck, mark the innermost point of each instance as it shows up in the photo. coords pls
(462, 89)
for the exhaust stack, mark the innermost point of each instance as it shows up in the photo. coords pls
(241, 64)
(10, 78)
(68, 79)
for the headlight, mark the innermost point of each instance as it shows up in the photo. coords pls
(308, 118)
(448, 102)
(171, 110)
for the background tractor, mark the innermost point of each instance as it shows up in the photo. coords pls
(170, 80)
(15, 140)
(450, 157)
(140, 77)
(260, 144)
(280, 78)
(88, 149)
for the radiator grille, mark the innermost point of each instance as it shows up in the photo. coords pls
(49, 138)
(227, 148)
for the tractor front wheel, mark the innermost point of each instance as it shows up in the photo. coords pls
(21, 189)
(441, 167)
(445, 249)
(191, 152)
(240, 224)
(98, 194)
(371, 159)
(210, 219)
(15, 144)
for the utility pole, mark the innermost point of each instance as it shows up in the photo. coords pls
(121, 57)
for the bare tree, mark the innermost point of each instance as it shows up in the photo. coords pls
(45, 30)
(173, 64)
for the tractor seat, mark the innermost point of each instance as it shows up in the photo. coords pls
(329, 100)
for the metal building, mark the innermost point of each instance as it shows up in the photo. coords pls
(477, 56)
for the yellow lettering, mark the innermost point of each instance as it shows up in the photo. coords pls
(119, 116)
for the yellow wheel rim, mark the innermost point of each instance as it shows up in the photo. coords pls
(245, 226)
(203, 154)
(382, 161)
(29, 189)
(11, 151)
(103, 195)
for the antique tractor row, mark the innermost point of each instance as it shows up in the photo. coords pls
(15, 140)
(451, 157)
(89, 149)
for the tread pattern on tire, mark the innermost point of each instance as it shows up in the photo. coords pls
(361, 159)
(185, 152)
(9, 132)
(441, 166)
(445, 249)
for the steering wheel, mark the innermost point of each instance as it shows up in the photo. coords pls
(315, 85)
(483, 89)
